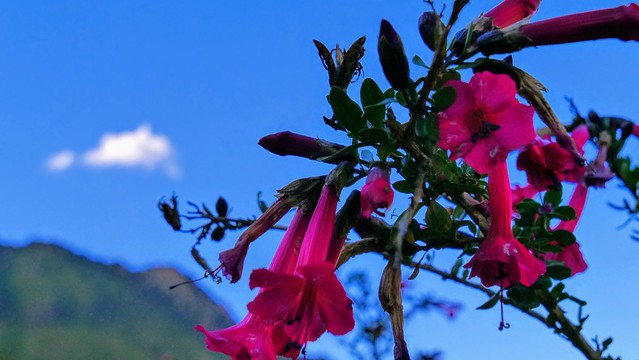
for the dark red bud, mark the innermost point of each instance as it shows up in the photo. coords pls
(431, 29)
(392, 57)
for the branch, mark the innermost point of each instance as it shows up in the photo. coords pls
(572, 332)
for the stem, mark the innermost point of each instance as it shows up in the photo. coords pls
(437, 64)
(568, 329)
(572, 332)
(237, 222)
(407, 216)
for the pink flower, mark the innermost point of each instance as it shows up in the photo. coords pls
(547, 164)
(571, 255)
(232, 260)
(621, 23)
(501, 259)
(544, 163)
(449, 309)
(377, 192)
(635, 131)
(256, 337)
(311, 300)
(520, 193)
(509, 12)
(485, 122)
(250, 339)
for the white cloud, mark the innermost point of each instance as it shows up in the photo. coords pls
(60, 161)
(137, 148)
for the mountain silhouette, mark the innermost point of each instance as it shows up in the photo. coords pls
(58, 305)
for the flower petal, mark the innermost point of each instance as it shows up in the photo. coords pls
(493, 92)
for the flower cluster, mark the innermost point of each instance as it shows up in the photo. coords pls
(483, 125)
(300, 296)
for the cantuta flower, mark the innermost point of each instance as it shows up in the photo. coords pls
(255, 337)
(520, 193)
(544, 162)
(377, 192)
(571, 254)
(509, 12)
(311, 300)
(232, 260)
(485, 122)
(501, 259)
(621, 23)
(299, 192)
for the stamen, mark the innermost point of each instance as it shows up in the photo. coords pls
(502, 325)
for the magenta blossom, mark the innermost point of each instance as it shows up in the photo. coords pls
(635, 130)
(571, 254)
(232, 260)
(377, 192)
(485, 122)
(255, 337)
(544, 163)
(509, 12)
(311, 300)
(501, 259)
(519, 193)
(615, 23)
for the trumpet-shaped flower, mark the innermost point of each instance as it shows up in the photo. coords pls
(571, 255)
(311, 300)
(546, 163)
(509, 12)
(256, 337)
(377, 192)
(485, 122)
(501, 259)
(621, 23)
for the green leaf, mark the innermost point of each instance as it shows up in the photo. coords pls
(563, 237)
(426, 127)
(558, 271)
(419, 62)
(403, 186)
(385, 150)
(372, 100)
(400, 99)
(523, 297)
(346, 111)
(553, 196)
(437, 217)
(565, 213)
(389, 94)
(342, 152)
(490, 303)
(260, 203)
(543, 282)
(455, 269)
(443, 98)
(373, 136)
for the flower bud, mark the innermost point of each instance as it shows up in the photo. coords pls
(289, 143)
(377, 192)
(431, 29)
(393, 58)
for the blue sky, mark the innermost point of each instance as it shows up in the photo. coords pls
(141, 99)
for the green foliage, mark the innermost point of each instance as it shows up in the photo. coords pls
(347, 112)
